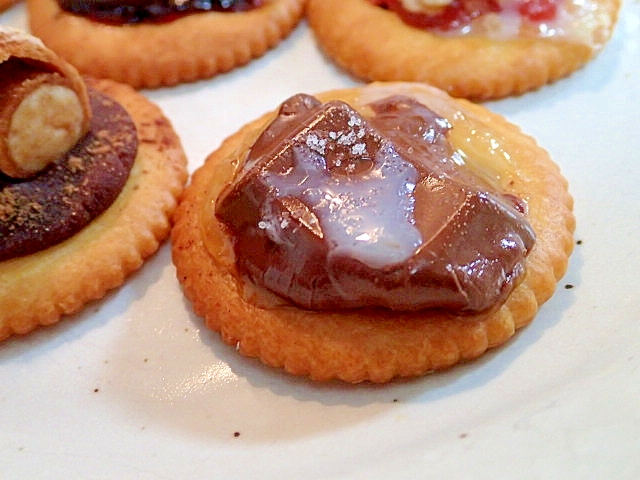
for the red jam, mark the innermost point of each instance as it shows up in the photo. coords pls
(460, 13)
(136, 11)
(538, 10)
(455, 15)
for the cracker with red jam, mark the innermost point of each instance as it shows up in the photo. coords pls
(373, 233)
(154, 44)
(92, 213)
(477, 49)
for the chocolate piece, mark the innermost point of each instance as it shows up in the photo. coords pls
(62, 199)
(336, 211)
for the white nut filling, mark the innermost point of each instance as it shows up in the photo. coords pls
(46, 124)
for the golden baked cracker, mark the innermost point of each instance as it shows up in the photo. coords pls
(373, 345)
(39, 289)
(149, 55)
(474, 67)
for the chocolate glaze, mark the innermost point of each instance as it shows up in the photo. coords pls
(61, 200)
(333, 211)
(136, 11)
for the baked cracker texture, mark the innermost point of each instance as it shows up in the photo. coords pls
(41, 288)
(150, 55)
(477, 68)
(367, 345)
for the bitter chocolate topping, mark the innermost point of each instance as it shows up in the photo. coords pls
(62, 199)
(334, 210)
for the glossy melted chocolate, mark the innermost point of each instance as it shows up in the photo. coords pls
(333, 210)
(136, 11)
(65, 197)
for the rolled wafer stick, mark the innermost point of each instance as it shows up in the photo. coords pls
(44, 105)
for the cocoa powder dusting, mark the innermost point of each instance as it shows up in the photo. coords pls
(57, 203)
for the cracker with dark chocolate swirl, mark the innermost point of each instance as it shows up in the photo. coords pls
(40, 288)
(68, 194)
(373, 344)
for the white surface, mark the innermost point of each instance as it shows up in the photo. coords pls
(136, 388)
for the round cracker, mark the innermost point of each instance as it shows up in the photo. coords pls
(474, 67)
(39, 289)
(368, 345)
(149, 55)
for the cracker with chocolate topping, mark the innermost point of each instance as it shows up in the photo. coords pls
(373, 233)
(149, 44)
(477, 49)
(76, 222)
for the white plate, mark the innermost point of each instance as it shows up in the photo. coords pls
(136, 388)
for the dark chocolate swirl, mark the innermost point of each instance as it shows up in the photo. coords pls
(60, 201)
